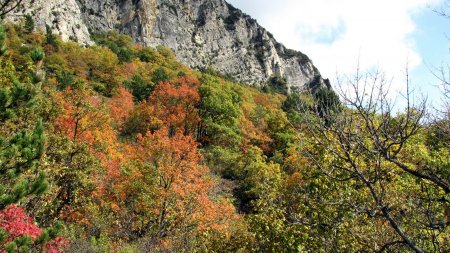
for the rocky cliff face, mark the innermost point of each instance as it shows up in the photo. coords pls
(202, 33)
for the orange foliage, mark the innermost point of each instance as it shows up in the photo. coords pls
(255, 135)
(73, 122)
(183, 186)
(111, 191)
(260, 99)
(143, 119)
(121, 106)
(83, 119)
(130, 69)
(175, 103)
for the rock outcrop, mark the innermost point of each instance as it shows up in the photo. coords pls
(202, 33)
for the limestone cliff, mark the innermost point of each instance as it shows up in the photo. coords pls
(202, 33)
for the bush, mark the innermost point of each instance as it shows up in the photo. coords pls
(160, 75)
(147, 54)
(140, 88)
(50, 38)
(120, 44)
(65, 79)
(278, 84)
(37, 54)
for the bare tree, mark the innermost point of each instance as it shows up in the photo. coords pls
(443, 10)
(7, 6)
(442, 115)
(368, 144)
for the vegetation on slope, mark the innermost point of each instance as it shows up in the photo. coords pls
(133, 152)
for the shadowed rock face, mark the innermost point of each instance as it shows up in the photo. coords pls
(202, 33)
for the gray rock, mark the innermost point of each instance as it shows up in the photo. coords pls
(202, 33)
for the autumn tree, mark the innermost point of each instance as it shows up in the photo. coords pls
(121, 107)
(176, 103)
(18, 233)
(182, 206)
(81, 134)
(391, 171)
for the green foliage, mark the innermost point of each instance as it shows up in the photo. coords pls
(277, 84)
(324, 103)
(147, 54)
(3, 47)
(160, 75)
(220, 112)
(327, 102)
(20, 155)
(29, 23)
(65, 80)
(140, 88)
(21, 151)
(120, 44)
(298, 102)
(122, 127)
(15, 96)
(103, 64)
(50, 38)
(37, 54)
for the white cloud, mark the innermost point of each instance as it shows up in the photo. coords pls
(338, 34)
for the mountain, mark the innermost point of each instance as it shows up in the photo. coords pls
(202, 33)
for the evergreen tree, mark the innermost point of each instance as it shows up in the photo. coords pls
(50, 38)
(21, 151)
(18, 156)
(20, 147)
(29, 23)
(3, 47)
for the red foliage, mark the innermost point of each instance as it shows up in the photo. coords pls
(56, 245)
(15, 221)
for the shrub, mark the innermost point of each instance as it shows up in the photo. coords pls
(18, 233)
(140, 88)
(37, 54)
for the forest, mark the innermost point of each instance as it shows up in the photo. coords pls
(121, 148)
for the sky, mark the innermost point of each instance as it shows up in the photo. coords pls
(338, 36)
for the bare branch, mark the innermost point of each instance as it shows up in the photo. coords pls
(367, 141)
(7, 6)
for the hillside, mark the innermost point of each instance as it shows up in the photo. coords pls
(138, 151)
(117, 147)
(203, 34)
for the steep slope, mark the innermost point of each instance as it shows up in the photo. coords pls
(205, 33)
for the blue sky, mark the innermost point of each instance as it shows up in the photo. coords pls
(432, 42)
(384, 34)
